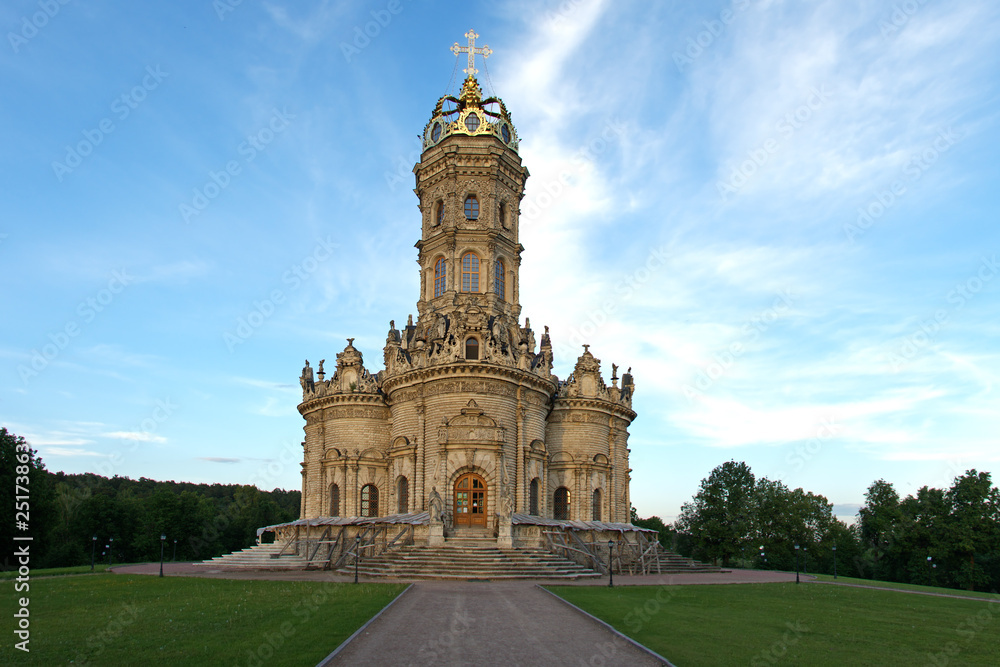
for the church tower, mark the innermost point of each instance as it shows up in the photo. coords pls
(467, 421)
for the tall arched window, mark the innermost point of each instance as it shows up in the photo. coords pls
(471, 207)
(596, 510)
(471, 348)
(498, 279)
(440, 274)
(402, 495)
(334, 500)
(533, 498)
(369, 500)
(439, 213)
(561, 503)
(470, 272)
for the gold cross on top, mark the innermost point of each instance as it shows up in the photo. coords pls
(472, 50)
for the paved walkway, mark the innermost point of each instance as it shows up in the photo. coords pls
(486, 623)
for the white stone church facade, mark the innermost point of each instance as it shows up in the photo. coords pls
(465, 419)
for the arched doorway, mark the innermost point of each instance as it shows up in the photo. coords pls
(470, 500)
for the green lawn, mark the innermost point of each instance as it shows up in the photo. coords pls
(908, 587)
(108, 619)
(806, 624)
(55, 571)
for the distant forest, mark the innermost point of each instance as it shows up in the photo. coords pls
(940, 537)
(127, 516)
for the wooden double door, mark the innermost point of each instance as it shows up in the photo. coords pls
(471, 497)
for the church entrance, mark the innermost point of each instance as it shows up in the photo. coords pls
(470, 500)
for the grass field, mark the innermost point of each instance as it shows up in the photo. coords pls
(56, 571)
(907, 587)
(806, 624)
(107, 619)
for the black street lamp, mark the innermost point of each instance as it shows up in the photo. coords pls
(175, 552)
(111, 543)
(93, 551)
(611, 560)
(834, 561)
(929, 570)
(357, 555)
(805, 560)
(796, 562)
(762, 560)
(163, 538)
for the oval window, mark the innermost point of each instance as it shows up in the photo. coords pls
(505, 133)
(472, 122)
(436, 132)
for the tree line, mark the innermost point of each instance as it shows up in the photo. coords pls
(127, 516)
(941, 537)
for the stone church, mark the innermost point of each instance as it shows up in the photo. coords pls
(464, 419)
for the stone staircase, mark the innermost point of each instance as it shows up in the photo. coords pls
(469, 558)
(259, 557)
(671, 563)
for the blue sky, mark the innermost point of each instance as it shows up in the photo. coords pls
(781, 215)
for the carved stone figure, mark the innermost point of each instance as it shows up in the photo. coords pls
(435, 506)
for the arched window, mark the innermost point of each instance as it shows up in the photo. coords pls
(498, 279)
(533, 498)
(471, 207)
(402, 495)
(334, 500)
(596, 511)
(439, 213)
(561, 503)
(440, 274)
(471, 348)
(470, 272)
(369, 500)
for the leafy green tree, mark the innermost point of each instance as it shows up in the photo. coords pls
(974, 527)
(26, 498)
(878, 519)
(719, 517)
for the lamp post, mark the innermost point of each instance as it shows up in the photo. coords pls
(805, 560)
(175, 552)
(834, 561)
(611, 560)
(163, 538)
(111, 543)
(93, 551)
(357, 554)
(929, 570)
(796, 562)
